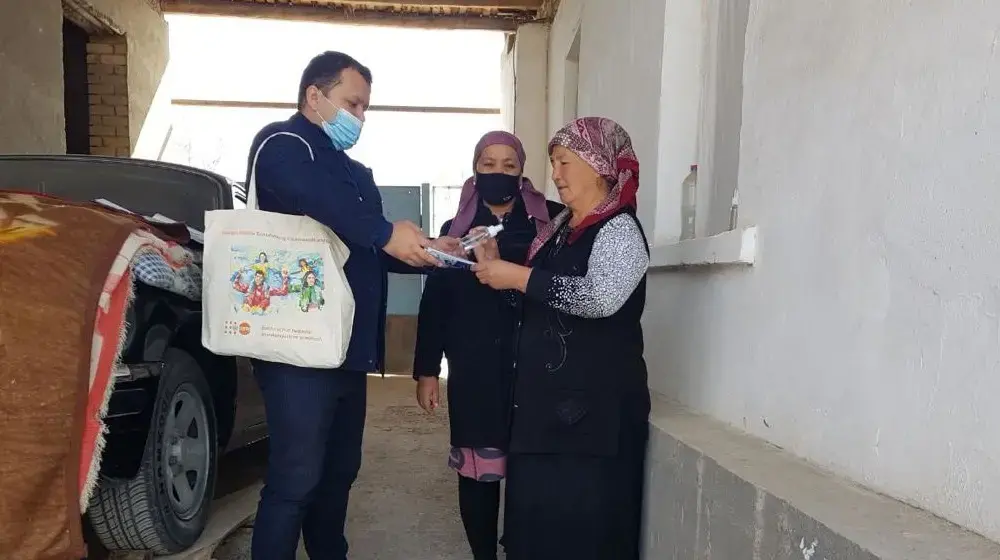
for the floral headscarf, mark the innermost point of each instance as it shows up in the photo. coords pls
(607, 148)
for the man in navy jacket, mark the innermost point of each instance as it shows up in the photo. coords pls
(316, 416)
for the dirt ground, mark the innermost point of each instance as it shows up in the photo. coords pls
(404, 504)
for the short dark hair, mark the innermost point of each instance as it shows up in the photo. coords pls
(324, 71)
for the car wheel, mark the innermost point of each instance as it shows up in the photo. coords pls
(164, 508)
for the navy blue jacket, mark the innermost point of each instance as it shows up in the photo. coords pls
(474, 326)
(341, 194)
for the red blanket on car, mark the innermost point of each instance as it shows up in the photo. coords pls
(65, 284)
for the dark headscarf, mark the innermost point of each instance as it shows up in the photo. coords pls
(607, 148)
(534, 201)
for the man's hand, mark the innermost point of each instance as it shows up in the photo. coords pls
(502, 275)
(407, 244)
(428, 390)
(448, 245)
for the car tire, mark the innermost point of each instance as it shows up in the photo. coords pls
(164, 509)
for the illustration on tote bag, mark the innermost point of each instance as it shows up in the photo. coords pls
(274, 284)
(288, 282)
(310, 293)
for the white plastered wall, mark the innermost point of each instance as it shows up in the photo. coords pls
(866, 337)
(620, 48)
(529, 78)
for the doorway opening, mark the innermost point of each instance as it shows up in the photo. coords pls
(95, 82)
(75, 88)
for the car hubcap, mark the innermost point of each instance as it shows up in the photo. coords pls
(186, 454)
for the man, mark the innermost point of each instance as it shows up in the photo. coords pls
(316, 417)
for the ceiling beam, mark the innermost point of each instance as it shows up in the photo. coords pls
(284, 105)
(93, 22)
(508, 4)
(345, 15)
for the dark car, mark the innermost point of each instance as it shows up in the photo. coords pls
(175, 407)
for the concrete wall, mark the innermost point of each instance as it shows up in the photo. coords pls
(620, 46)
(31, 82)
(716, 494)
(865, 338)
(148, 52)
(31, 98)
(530, 76)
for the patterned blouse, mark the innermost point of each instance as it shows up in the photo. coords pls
(617, 264)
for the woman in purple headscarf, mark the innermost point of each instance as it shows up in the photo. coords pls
(473, 327)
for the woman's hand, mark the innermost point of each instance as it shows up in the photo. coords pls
(502, 275)
(487, 250)
(428, 391)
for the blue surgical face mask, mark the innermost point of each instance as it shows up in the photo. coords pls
(343, 128)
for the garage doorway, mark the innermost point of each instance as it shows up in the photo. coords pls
(76, 102)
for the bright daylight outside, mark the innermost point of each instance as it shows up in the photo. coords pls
(229, 77)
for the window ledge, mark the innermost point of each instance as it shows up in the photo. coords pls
(737, 247)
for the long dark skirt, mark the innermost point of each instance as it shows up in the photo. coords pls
(576, 507)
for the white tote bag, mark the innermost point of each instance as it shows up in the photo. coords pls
(274, 285)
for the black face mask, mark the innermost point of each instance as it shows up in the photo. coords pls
(497, 188)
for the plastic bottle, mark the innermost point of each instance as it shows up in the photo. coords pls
(734, 209)
(689, 200)
(477, 238)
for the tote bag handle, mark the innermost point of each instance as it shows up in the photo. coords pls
(252, 183)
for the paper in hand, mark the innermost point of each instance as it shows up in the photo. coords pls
(450, 261)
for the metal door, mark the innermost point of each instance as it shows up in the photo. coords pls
(402, 203)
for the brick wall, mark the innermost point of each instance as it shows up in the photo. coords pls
(107, 76)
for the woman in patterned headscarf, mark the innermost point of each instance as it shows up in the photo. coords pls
(581, 405)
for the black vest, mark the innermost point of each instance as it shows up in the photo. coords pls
(577, 380)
